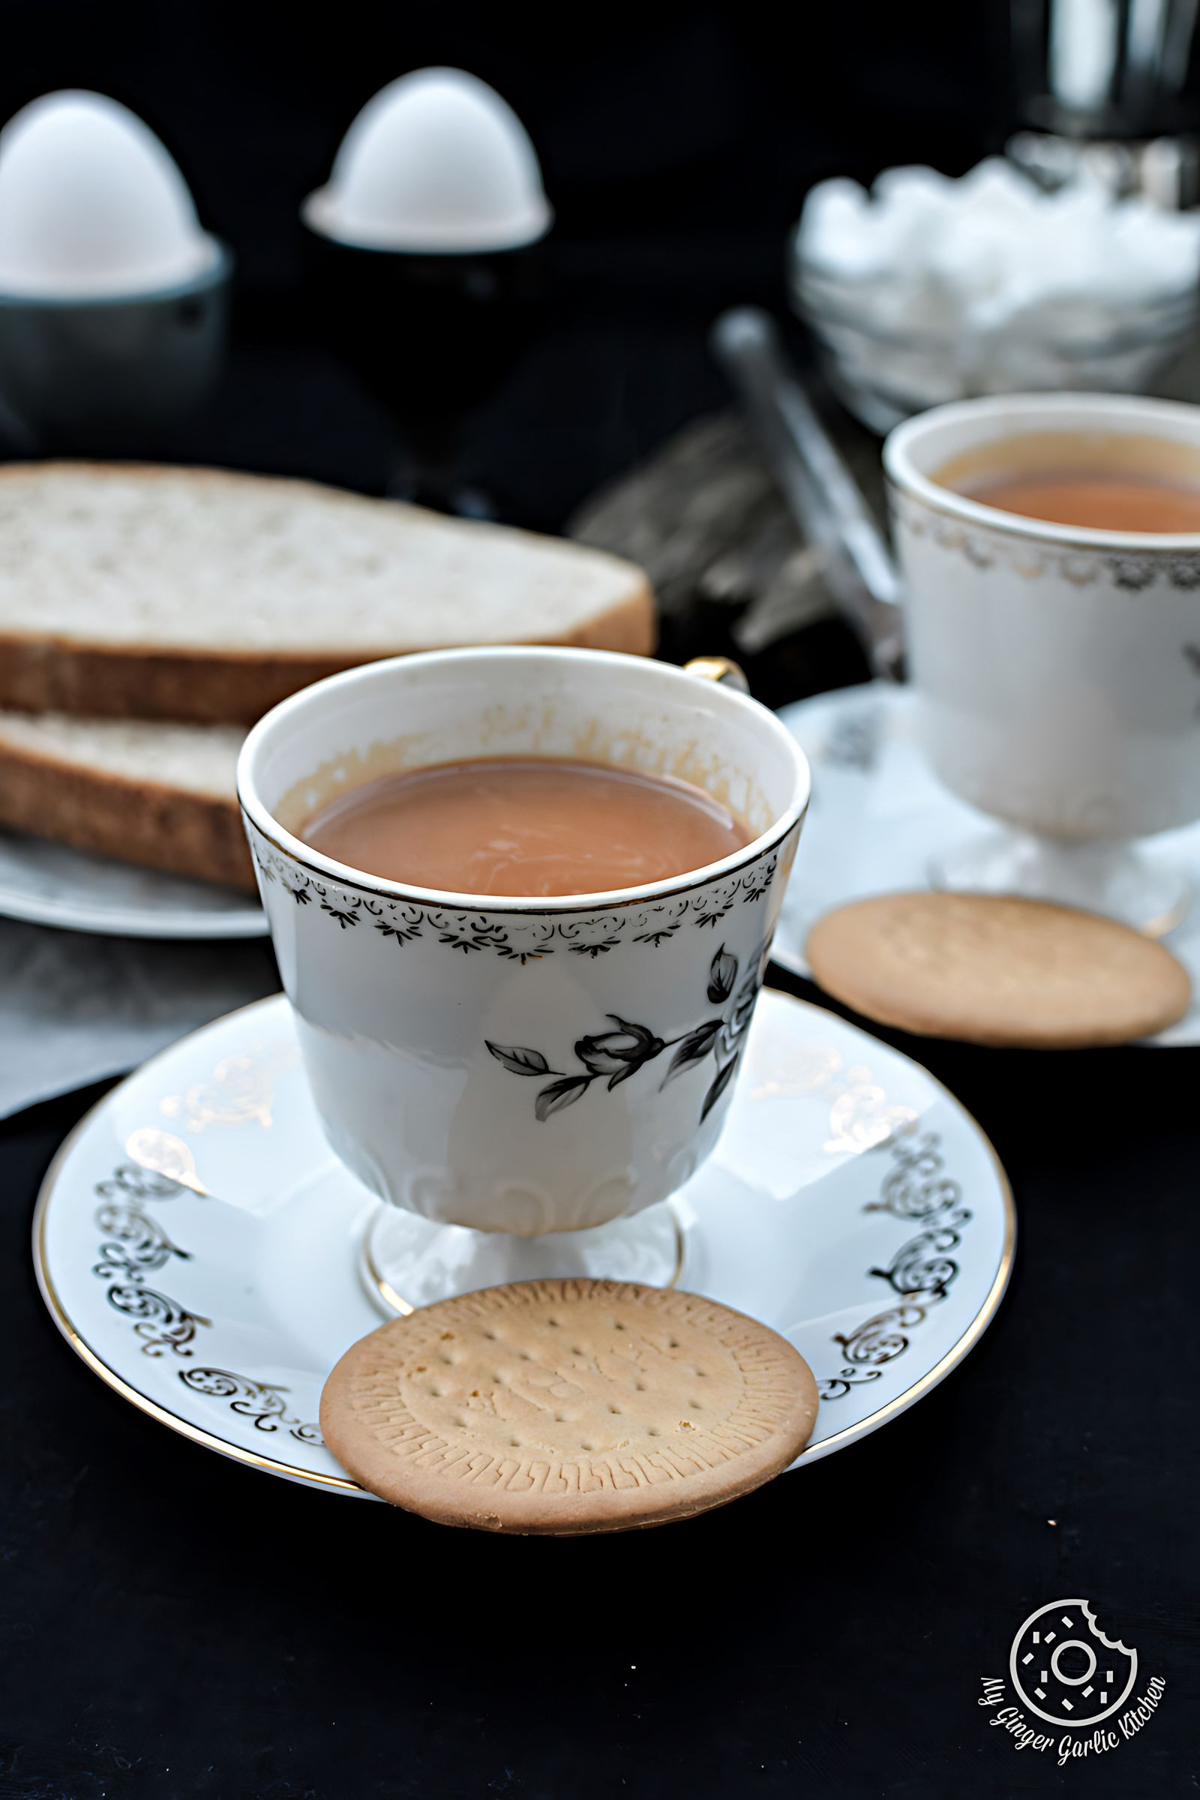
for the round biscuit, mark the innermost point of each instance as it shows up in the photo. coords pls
(568, 1406)
(997, 970)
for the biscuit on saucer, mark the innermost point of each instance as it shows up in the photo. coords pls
(997, 970)
(568, 1406)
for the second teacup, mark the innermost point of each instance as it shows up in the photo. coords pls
(1057, 666)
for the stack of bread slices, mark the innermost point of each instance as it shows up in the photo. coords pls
(149, 615)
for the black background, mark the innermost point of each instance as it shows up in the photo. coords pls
(176, 1625)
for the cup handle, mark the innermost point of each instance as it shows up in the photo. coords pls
(721, 669)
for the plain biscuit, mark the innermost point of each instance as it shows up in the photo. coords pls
(569, 1406)
(997, 970)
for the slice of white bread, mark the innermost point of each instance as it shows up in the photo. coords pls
(165, 593)
(159, 795)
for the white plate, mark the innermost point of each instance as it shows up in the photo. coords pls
(851, 1203)
(51, 884)
(879, 818)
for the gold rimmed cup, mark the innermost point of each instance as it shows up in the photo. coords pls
(518, 1068)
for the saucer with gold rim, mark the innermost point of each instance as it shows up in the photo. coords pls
(880, 821)
(202, 1250)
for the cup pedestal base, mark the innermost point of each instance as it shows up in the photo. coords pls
(406, 1261)
(1102, 878)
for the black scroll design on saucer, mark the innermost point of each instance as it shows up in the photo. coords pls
(916, 1186)
(262, 1402)
(132, 1182)
(517, 937)
(915, 1190)
(924, 1265)
(162, 1323)
(623, 1050)
(870, 1345)
(133, 1245)
(134, 1242)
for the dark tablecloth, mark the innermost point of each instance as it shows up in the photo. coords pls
(179, 1625)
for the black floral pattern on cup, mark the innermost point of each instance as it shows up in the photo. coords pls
(622, 1052)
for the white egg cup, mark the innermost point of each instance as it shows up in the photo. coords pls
(1057, 668)
(422, 248)
(524, 1080)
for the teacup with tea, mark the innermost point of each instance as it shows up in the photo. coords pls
(1050, 546)
(522, 901)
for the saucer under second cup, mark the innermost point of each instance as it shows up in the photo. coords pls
(881, 822)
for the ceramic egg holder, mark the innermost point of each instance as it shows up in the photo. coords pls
(423, 255)
(113, 300)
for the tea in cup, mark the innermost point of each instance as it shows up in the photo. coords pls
(520, 1063)
(1057, 657)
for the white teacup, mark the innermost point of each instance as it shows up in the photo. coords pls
(521, 1066)
(1058, 667)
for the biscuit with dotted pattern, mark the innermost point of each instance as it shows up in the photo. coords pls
(997, 970)
(568, 1406)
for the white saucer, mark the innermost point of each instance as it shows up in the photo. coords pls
(879, 820)
(851, 1203)
(51, 884)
